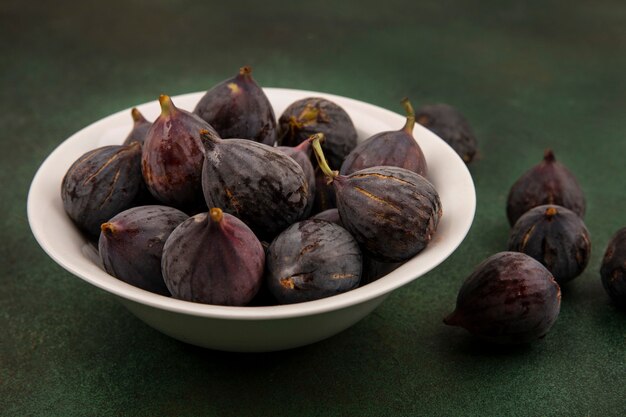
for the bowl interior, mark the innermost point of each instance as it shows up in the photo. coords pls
(61, 240)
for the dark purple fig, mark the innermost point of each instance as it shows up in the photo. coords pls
(311, 115)
(613, 269)
(302, 155)
(140, 128)
(392, 212)
(548, 182)
(213, 258)
(257, 183)
(324, 192)
(373, 269)
(100, 184)
(173, 155)
(238, 108)
(556, 237)
(450, 125)
(312, 259)
(397, 148)
(510, 298)
(131, 245)
(330, 215)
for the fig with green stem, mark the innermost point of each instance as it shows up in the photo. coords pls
(392, 212)
(394, 148)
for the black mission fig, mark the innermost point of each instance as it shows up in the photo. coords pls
(312, 259)
(140, 128)
(238, 108)
(510, 298)
(131, 245)
(173, 155)
(613, 269)
(392, 212)
(397, 148)
(256, 183)
(450, 125)
(548, 182)
(554, 236)
(213, 258)
(302, 155)
(100, 184)
(311, 115)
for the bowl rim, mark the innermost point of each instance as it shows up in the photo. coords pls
(376, 289)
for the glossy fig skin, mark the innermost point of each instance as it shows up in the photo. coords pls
(613, 269)
(554, 236)
(213, 258)
(510, 298)
(548, 182)
(312, 259)
(394, 148)
(100, 184)
(172, 157)
(257, 183)
(311, 115)
(140, 128)
(238, 108)
(131, 245)
(392, 212)
(450, 125)
(302, 155)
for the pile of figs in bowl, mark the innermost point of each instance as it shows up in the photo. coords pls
(258, 305)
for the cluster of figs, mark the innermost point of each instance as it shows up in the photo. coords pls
(514, 296)
(227, 205)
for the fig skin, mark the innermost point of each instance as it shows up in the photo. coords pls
(554, 236)
(330, 215)
(213, 258)
(548, 182)
(312, 259)
(238, 108)
(510, 298)
(450, 125)
(140, 128)
(131, 245)
(311, 115)
(302, 155)
(395, 148)
(324, 193)
(100, 184)
(172, 157)
(613, 269)
(392, 212)
(270, 194)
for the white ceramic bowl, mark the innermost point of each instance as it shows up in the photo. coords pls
(248, 328)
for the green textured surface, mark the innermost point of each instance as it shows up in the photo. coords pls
(526, 75)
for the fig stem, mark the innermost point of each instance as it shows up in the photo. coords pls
(410, 116)
(245, 71)
(216, 214)
(548, 155)
(167, 107)
(136, 115)
(551, 211)
(207, 138)
(319, 155)
(107, 228)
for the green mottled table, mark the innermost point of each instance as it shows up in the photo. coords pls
(528, 76)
